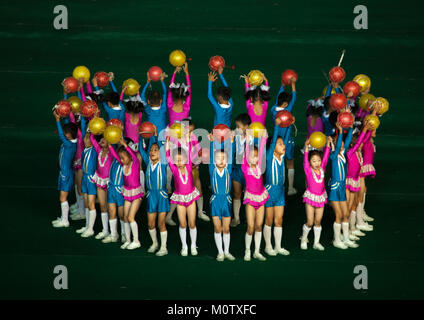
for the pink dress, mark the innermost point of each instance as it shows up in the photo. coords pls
(251, 110)
(354, 164)
(80, 145)
(319, 126)
(315, 193)
(101, 177)
(132, 189)
(368, 150)
(185, 191)
(178, 116)
(130, 129)
(255, 194)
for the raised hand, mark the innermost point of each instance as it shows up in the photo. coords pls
(185, 67)
(220, 69)
(148, 77)
(111, 76)
(94, 81)
(56, 116)
(212, 76)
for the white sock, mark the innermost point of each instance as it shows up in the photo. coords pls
(122, 222)
(267, 236)
(305, 232)
(92, 219)
(134, 230)
(142, 180)
(248, 241)
(352, 220)
(152, 233)
(199, 203)
(113, 227)
(345, 228)
(278, 234)
(226, 239)
(105, 220)
(258, 238)
(290, 174)
(336, 228)
(65, 210)
(127, 231)
(87, 217)
(163, 237)
(218, 242)
(236, 208)
(183, 237)
(317, 234)
(80, 201)
(364, 200)
(359, 214)
(193, 237)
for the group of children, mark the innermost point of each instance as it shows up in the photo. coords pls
(121, 176)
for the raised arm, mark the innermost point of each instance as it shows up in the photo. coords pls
(348, 140)
(279, 91)
(95, 144)
(62, 136)
(83, 125)
(188, 99)
(114, 154)
(325, 157)
(292, 102)
(262, 145)
(211, 97)
(271, 148)
(357, 144)
(163, 94)
(170, 101)
(143, 93)
(143, 152)
(338, 144)
(89, 89)
(112, 84)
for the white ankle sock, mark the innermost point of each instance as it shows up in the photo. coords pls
(134, 230)
(236, 208)
(122, 222)
(305, 232)
(258, 238)
(163, 237)
(105, 220)
(193, 237)
(87, 217)
(92, 219)
(127, 231)
(218, 242)
(336, 228)
(80, 201)
(199, 203)
(65, 210)
(113, 223)
(278, 234)
(183, 237)
(352, 220)
(248, 241)
(267, 236)
(290, 174)
(317, 234)
(226, 239)
(345, 228)
(153, 236)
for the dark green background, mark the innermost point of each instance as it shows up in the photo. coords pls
(127, 38)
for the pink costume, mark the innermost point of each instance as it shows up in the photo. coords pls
(319, 126)
(80, 145)
(354, 163)
(315, 193)
(255, 194)
(130, 129)
(251, 110)
(368, 150)
(178, 116)
(101, 177)
(132, 189)
(185, 191)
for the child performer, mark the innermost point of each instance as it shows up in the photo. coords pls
(185, 194)
(315, 195)
(224, 107)
(257, 100)
(179, 97)
(314, 112)
(131, 191)
(255, 195)
(68, 136)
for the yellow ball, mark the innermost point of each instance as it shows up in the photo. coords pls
(257, 128)
(176, 130)
(333, 91)
(81, 72)
(177, 58)
(363, 101)
(384, 105)
(373, 120)
(97, 125)
(75, 103)
(255, 77)
(317, 140)
(112, 134)
(133, 86)
(363, 80)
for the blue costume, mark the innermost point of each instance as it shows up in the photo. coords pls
(220, 201)
(66, 159)
(238, 156)
(223, 113)
(156, 115)
(336, 185)
(329, 130)
(114, 187)
(274, 174)
(157, 196)
(115, 112)
(89, 165)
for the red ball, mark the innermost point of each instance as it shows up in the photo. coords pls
(286, 118)
(221, 132)
(287, 76)
(146, 129)
(215, 62)
(352, 86)
(115, 122)
(337, 74)
(88, 108)
(102, 78)
(154, 73)
(345, 119)
(63, 108)
(338, 101)
(71, 84)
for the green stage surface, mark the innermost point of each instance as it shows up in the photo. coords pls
(129, 37)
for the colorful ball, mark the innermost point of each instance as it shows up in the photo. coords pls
(215, 62)
(257, 128)
(338, 101)
(81, 72)
(384, 105)
(221, 132)
(337, 74)
(255, 77)
(97, 125)
(363, 80)
(286, 118)
(146, 129)
(287, 76)
(115, 122)
(75, 104)
(132, 85)
(177, 58)
(112, 134)
(88, 108)
(176, 130)
(155, 73)
(102, 78)
(345, 119)
(351, 86)
(63, 108)
(333, 91)
(373, 120)
(364, 99)
(317, 140)
(71, 84)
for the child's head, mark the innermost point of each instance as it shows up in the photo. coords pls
(102, 141)
(280, 148)
(315, 108)
(333, 118)
(243, 122)
(254, 156)
(134, 106)
(223, 94)
(284, 99)
(154, 152)
(327, 106)
(220, 159)
(180, 158)
(97, 98)
(70, 130)
(257, 94)
(123, 154)
(315, 158)
(154, 99)
(190, 124)
(179, 94)
(112, 99)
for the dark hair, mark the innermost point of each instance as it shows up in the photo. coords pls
(112, 97)
(269, 140)
(97, 98)
(354, 108)
(179, 93)
(122, 149)
(154, 97)
(327, 104)
(134, 106)
(314, 153)
(257, 94)
(98, 137)
(224, 92)
(314, 110)
(190, 122)
(179, 152)
(333, 118)
(71, 128)
(284, 97)
(244, 118)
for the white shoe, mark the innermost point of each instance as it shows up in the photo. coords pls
(87, 233)
(352, 237)
(123, 238)
(247, 255)
(134, 245)
(74, 207)
(235, 222)
(318, 246)
(203, 216)
(340, 244)
(101, 235)
(61, 224)
(291, 192)
(153, 248)
(366, 217)
(365, 227)
(57, 220)
(162, 252)
(357, 232)
(110, 239)
(270, 251)
(229, 256)
(78, 216)
(193, 251)
(184, 252)
(304, 244)
(259, 256)
(282, 251)
(125, 245)
(351, 244)
(220, 257)
(81, 230)
(170, 222)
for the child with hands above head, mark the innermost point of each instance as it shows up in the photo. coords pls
(224, 106)
(257, 100)
(179, 97)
